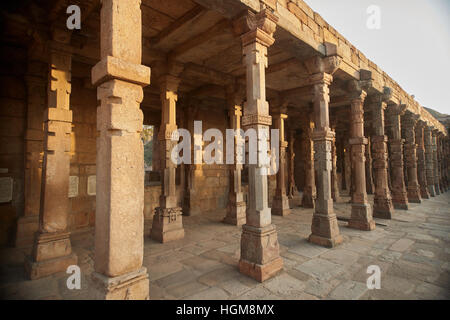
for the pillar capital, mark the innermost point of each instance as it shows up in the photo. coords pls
(322, 65)
(258, 28)
(396, 109)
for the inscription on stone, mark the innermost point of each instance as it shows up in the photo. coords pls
(91, 185)
(73, 186)
(6, 188)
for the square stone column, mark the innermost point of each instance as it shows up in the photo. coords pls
(361, 216)
(324, 228)
(293, 194)
(421, 167)
(408, 131)
(429, 163)
(119, 218)
(399, 194)
(260, 258)
(280, 203)
(309, 189)
(434, 143)
(236, 206)
(52, 249)
(370, 187)
(167, 220)
(36, 81)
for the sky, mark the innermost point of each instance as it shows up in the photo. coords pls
(412, 44)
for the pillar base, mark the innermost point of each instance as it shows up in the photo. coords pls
(361, 217)
(383, 208)
(307, 201)
(26, 229)
(260, 257)
(236, 214)
(130, 286)
(280, 206)
(52, 253)
(431, 190)
(167, 225)
(424, 194)
(325, 231)
(414, 195)
(437, 189)
(401, 206)
(295, 201)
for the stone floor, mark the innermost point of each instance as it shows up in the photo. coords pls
(412, 251)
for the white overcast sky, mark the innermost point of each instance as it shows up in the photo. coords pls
(412, 46)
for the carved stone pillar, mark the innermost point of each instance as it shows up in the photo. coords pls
(52, 249)
(399, 194)
(427, 132)
(260, 258)
(434, 142)
(309, 190)
(421, 167)
(439, 145)
(383, 207)
(236, 205)
(408, 129)
(280, 203)
(167, 220)
(334, 180)
(28, 224)
(293, 193)
(361, 216)
(119, 219)
(370, 187)
(324, 228)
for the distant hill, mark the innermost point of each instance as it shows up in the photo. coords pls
(441, 117)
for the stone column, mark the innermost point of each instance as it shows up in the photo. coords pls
(370, 187)
(434, 142)
(361, 216)
(280, 203)
(334, 181)
(324, 228)
(309, 190)
(236, 205)
(382, 207)
(292, 188)
(52, 249)
(427, 132)
(399, 194)
(421, 167)
(28, 224)
(441, 180)
(409, 125)
(119, 219)
(167, 220)
(260, 258)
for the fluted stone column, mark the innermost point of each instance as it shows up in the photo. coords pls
(399, 194)
(119, 219)
(309, 189)
(167, 220)
(408, 132)
(52, 249)
(236, 205)
(28, 224)
(334, 181)
(434, 143)
(383, 207)
(421, 166)
(427, 132)
(280, 202)
(324, 228)
(361, 216)
(260, 258)
(370, 187)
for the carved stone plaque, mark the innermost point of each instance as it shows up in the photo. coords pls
(73, 186)
(6, 188)
(91, 185)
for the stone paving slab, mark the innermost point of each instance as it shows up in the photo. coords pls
(412, 251)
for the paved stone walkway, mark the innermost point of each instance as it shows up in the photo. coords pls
(412, 251)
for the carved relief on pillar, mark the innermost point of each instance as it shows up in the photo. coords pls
(260, 258)
(421, 166)
(309, 190)
(361, 215)
(293, 194)
(324, 228)
(429, 163)
(408, 132)
(399, 194)
(434, 141)
(334, 179)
